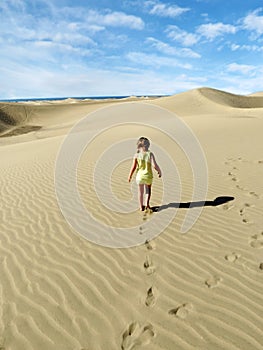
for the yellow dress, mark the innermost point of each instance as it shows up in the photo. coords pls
(144, 174)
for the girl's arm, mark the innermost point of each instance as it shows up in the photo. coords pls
(133, 168)
(155, 165)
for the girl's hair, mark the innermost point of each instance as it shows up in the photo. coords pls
(143, 142)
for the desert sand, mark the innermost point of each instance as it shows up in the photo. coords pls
(201, 289)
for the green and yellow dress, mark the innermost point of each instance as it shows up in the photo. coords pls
(144, 174)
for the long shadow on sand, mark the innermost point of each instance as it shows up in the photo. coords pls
(214, 203)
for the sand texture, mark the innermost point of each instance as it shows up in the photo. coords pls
(196, 290)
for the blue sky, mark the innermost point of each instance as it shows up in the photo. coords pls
(58, 48)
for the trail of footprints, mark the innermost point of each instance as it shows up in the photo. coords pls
(256, 240)
(233, 175)
(137, 334)
(243, 211)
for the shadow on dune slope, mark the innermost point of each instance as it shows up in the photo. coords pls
(231, 100)
(14, 120)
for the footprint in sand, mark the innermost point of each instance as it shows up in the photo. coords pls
(181, 311)
(144, 218)
(146, 214)
(150, 299)
(232, 257)
(257, 241)
(248, 205)
(213, 281)
(261, 266)
(247, 221)
(227, 206)
(137, 335)
(149, 245)
(241, 188)
(233, 176)
(148, 266)
(242, 213)
(242, 210)
(254, 194)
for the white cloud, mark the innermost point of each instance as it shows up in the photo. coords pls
(241, 84)
(99, 18)
(72, 25)
(241, 68)
(54, 48)
(60, 50)
(213, 30)
(210, 31)
(156, 61)
(182, 36)
(253, 22)
(165, 10)
(235, 47)
(26, 27)
(75, 38)
(171, 50)
(250, 48)
(6, 4)
(80, 81)
(115, 19)
(61, 36)
(91, 28)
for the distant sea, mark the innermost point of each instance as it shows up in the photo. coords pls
(75, 98)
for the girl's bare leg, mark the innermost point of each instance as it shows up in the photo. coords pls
(140, 196)
(148, 190)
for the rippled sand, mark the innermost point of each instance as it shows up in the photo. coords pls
(196, 290)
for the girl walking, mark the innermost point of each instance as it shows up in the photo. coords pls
(142, 162)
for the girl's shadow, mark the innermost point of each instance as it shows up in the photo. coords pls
(214, 203)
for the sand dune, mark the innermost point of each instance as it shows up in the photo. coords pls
(18, 116)
(231, 100)
(259, 93)
(12, 116)
(210, 101)
(198, 290)
(21, 118)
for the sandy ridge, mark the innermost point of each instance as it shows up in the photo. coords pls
(18, 118)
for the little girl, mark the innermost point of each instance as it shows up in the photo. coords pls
(142, 162)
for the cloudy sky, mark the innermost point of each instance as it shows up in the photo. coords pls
(62, 48)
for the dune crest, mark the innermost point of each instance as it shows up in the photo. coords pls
(25, 117)
(208, 101)
(232, 100)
